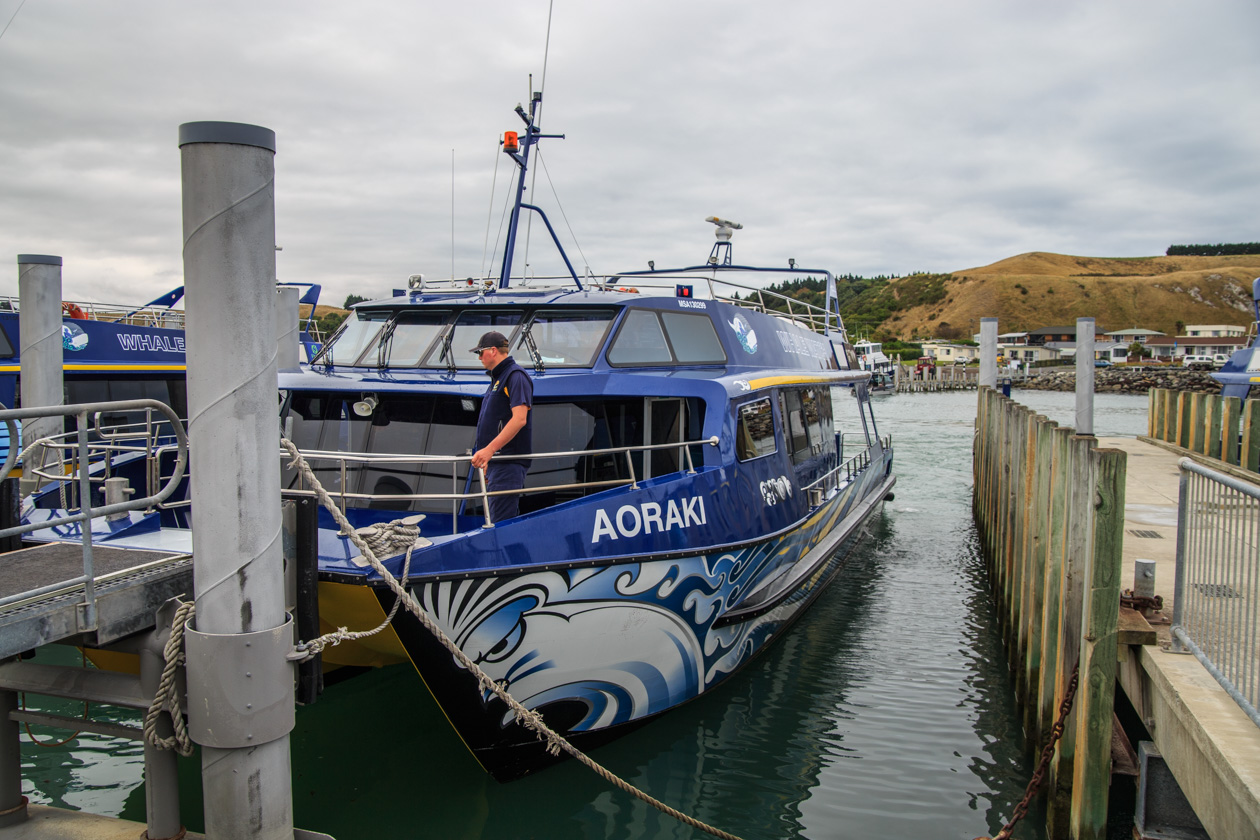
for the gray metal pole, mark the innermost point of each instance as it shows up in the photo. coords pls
(988, 352)
(287, 328)
(1084, 376)
(12, 802)
(161, 774)
(228, 172)
(39, 319)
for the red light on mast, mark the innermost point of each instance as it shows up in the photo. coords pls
(511, 144)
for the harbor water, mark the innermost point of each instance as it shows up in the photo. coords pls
(886, 711)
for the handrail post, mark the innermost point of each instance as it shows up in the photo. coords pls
(485, 497)
(634, 482)
(88, 618)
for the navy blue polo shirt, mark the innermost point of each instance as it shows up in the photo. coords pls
(510, 386)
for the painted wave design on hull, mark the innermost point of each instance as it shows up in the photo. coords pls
(626, 641)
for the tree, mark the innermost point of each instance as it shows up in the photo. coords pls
(351, 300)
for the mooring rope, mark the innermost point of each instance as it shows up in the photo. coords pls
(531, 720)
(47, 443)
(166, 698)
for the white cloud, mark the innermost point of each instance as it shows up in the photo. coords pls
(864, 138)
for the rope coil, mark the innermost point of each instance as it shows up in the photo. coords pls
(166, 698)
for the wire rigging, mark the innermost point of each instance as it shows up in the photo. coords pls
(23, 3)
(560, 205)
(542, 88)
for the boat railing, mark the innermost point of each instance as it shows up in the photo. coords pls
(144, 316)
(342, 463)
(809, 315)
(80, 467)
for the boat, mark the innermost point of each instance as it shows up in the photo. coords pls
(688, 495)
(1240, 375)
(114, 352)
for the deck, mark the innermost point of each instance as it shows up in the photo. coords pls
(1209, 744)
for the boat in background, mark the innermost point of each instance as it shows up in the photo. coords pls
(1241, 374)
(688, 495)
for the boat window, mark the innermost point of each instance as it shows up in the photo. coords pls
(402, 424)
(816, 403)
(413, 335)
(693, 338)
(568, 338)
(356, 335)
(755, 435)
(640, 341)
(173, 392)
(469, 328)
(796, 427)
(6, 346)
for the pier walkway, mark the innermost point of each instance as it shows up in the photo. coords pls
(1208, 742)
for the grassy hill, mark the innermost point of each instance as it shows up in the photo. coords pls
(1041, 289)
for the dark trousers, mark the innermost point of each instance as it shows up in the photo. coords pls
(505, 476)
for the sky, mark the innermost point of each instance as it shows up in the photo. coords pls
(864, 138)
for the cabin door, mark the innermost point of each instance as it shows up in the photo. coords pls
(664, 421)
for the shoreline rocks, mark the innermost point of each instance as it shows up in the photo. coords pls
(1123, 381)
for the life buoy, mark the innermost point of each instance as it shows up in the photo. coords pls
(73, 311)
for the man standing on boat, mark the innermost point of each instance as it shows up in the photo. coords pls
(504, 426)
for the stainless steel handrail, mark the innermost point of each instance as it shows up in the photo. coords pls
(81, 471)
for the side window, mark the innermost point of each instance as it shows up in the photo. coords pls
(817, 404)
(796, 427)
(754, 435)
(640, 341)
(693, 338)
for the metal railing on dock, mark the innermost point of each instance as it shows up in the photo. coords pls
(1215, 613)
(1049, 506)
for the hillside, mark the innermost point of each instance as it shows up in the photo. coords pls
(1041, 289)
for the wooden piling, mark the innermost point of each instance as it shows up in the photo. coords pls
(1050, 510)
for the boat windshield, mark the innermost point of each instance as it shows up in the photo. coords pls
(422, 338)
(359, 331)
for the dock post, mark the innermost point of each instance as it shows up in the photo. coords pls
(1084, 376)
(236, 651)
(39, 319)
(12, 802)
(988, 351)
(161, 771)
(1099, 638)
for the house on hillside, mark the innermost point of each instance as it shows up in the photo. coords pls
(948, 352)
(1215, 331)
(1175, 347)
(1052, 335)
(1130, 336)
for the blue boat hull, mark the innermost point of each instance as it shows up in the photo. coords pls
(600, 650)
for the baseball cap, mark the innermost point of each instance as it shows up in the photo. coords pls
(491, 339)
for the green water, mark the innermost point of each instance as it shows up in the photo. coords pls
(886, 711)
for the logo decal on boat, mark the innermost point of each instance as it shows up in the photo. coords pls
(73, 337)
(744, 332)
(776, 490)
(152, 343)
(647, 518)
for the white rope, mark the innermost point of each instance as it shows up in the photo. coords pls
(166, 698)
(532, 720)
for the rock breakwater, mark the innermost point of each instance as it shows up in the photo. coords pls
(1122, 381)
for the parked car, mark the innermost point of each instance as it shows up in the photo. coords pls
(1198, 362)
(1103, 363)
(961, 360)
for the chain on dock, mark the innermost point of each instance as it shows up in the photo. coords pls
(1047, 752)
(530, 719)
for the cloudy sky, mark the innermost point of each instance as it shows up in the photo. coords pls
(859, 137)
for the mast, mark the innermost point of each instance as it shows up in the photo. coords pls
(510, 147)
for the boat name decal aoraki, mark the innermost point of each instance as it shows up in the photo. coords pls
(647, 518)
(152, 343)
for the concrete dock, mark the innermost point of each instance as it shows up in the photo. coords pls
(1208, 742)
